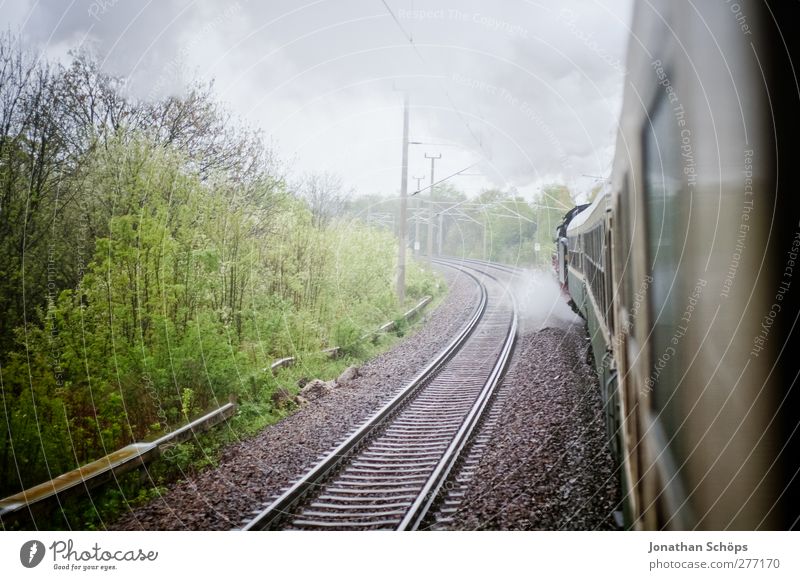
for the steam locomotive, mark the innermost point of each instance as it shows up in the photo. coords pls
(686, 267)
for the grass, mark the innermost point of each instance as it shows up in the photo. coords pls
(106, 505)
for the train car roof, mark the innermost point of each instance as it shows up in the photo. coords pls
(585, 219)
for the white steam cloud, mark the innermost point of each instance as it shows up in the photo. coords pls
(541, 303)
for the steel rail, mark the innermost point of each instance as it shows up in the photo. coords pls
(421, 506)
(279, 509)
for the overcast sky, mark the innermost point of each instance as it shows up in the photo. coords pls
(531, 91)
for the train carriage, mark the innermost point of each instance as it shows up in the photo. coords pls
(683, 269)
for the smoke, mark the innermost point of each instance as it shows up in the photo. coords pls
(540, 301)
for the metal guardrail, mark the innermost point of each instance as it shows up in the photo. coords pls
(334, 351)
(29, 503)
(39, 499)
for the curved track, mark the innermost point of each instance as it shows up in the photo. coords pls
(389, 472)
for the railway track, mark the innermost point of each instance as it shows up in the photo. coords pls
(389, 473)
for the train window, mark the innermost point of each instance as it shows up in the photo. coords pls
(625, 211)
(665, 237)
(594, 269)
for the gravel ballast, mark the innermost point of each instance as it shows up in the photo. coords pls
(541, 461)
(545, 464)
(252, 471)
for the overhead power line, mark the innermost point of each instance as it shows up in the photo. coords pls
(444, 179)
(456, 110)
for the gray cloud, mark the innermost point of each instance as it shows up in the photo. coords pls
(530, 90)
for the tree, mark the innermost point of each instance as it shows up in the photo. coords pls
(31, 164)
(153, 262)
(325, 195)
(552, 203)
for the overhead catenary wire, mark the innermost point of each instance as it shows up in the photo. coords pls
(444, 179)
(419, 54)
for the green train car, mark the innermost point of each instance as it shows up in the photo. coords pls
(686, 268)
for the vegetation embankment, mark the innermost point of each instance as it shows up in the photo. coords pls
(153, 262)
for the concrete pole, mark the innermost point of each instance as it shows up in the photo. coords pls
(484, 242)
(418, 206)
(441, 234)
(433, 159)
(401, 229)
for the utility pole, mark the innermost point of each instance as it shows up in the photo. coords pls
(418, 206)
(401, 230)
(433, 159)
(484, 242)
(440, 234)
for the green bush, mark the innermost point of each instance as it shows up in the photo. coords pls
(347, 336)
(189, 292)
(400, 326)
